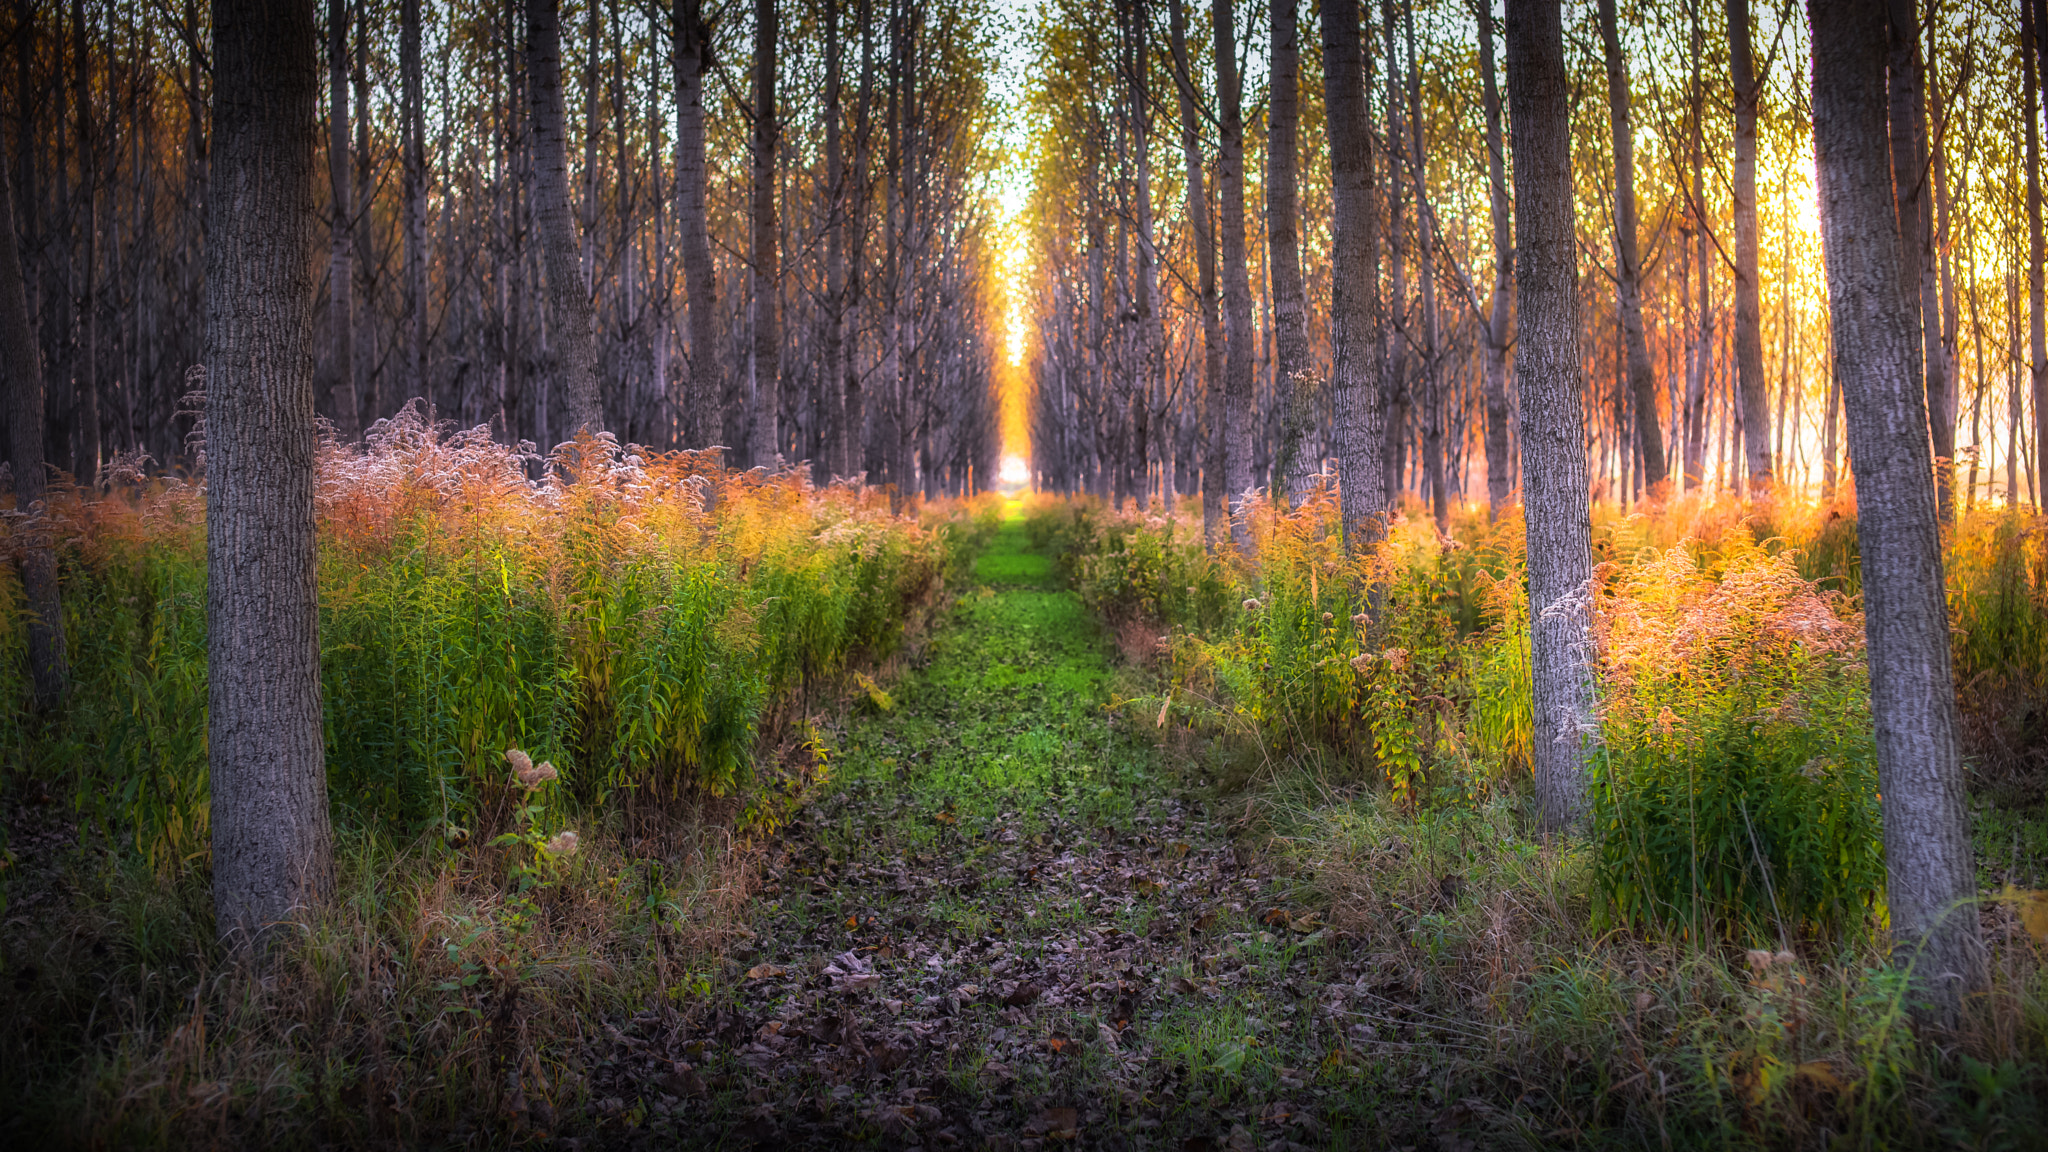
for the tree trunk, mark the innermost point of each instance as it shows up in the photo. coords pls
(855, 400)
(833, 368)
(1547, 369)
(1931, 881)
(1236, 421)
(1394, 361)
(1213, 485)
(1148, 396)
(704, 398)
(2037, 324)
(1749, 341)
(766, 252)
(1906, 102)
(348, 412)
(272, 844)
(412, 129)
(1356, 327)
(1425, 229)
(22, 361)
(572, 323)
(85, 308)
(1301, 392)
(1500, 471)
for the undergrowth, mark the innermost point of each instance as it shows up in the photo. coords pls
(559, 714)
(1711, 958)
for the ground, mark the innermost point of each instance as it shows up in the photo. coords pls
(1012, 921)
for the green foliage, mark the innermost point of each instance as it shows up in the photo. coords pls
(634, 620)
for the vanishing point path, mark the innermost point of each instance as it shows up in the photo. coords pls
(1009, 923)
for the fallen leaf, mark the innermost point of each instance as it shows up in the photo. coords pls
(765, 972)
(2032, 908)
(1024, 994)
(1059, 1123)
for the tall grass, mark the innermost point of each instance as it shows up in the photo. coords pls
(670, 635)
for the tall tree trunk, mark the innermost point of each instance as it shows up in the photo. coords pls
(572, 323)
(1425, 229)
(1500, 469)
(2037, 308)
(855, 399)
(1236, 423)
(342, 399)
(85, 452)
(1749, 341)
(22, 360)
(1213, 484)
(1931, 881)
(1356, 324)
(273, 851)
(1547, 370)
(1394, 362)
(704, 399)
(833, 370)
(412, 127)
(1907, 105)
(1292, 381)
(1700, 350)
(766, 251)
(1148, 395)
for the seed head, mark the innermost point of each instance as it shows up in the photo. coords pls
(562, 844)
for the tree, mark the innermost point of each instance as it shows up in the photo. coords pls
(1749, 344)
(766, 400)
(1356, 327)
(572, 322)
(343, 399)
(85, 449)
(1213, 402)
(1500, 471)
(1628, 273)
(1547, 370)
(1930, 871)
(23, 363)
(1235, 422)
(273, 853)
(412, 120)
(692, 40)
(1907, 104)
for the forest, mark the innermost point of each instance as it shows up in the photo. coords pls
(1023, 574)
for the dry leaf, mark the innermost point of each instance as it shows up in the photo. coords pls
(1059, 1123)
(1820, 1072)
(2032, 908)
(765, 972)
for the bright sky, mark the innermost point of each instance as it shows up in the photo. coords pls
(1013, 186)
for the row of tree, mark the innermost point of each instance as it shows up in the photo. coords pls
(544, 218)
(1185, 215)
(1426, 342)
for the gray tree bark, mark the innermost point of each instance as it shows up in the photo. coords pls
(703, 398)
(1548, 372)
(2037, 251)
(273, 851)
(1301, 392)
(1236, 422)
(22, 360)
(1425, 229)
(1213, 485)
(1749, 343)
(1357, 327)
(85, 450)
(1907, 105)
(572, 322)
(1931, 881)
(833, 370)
(1642, 379)
(342, 398)
(413, 141)
(766, 400)
(1500, 468)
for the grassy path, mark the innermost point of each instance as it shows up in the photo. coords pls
(1008, 925)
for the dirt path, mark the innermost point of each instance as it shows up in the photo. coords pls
(1008, 925)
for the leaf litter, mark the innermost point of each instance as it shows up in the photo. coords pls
(1007, 925)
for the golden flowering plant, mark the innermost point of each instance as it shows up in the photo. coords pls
(1736, 786)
